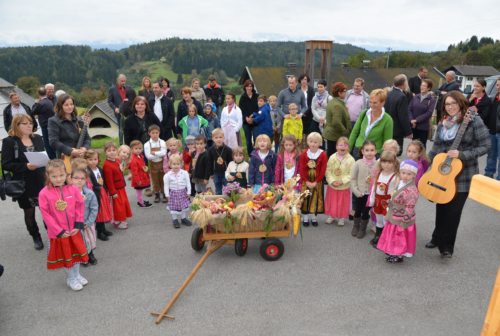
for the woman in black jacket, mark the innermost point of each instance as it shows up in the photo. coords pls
(309, 95)
(65, 129)
(136, 126)
(479, 101)
(20, 140)
(248, 105)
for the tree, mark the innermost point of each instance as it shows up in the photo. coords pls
(28, 84)
(473, 43)
(179, 79)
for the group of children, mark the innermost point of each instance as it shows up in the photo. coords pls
(76, 208)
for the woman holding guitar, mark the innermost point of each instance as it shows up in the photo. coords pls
(68, 136)
(462, 137)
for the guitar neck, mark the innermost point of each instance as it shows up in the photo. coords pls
(460, 134)
(83, 132)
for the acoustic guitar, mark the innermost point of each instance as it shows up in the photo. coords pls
(81, 138)
(439, 184)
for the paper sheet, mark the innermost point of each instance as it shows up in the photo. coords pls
(39, 159)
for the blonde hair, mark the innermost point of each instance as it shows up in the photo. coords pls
(266, 137)
(272, 97)
(238, 150)
(16, 121)
(391, 143)
(388, 156)
(344, 140)
(122, 148)
(78, 163)
(314, 136)
(293, 105)
(51, 166)
(174, 158)
(173, 140)
(421, 149)
(217, 131)
(381, 94)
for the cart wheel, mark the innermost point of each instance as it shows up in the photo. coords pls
(272, 249)
(197, 241)
(241, 246)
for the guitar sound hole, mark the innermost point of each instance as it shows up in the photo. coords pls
(445, 169)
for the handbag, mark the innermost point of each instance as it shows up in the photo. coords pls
(8, 186)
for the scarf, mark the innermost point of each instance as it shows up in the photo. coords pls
(450, 127)
(290, 158)
(321, 97)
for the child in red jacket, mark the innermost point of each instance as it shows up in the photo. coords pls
(140, 174)
(113, 177)
(62, 208)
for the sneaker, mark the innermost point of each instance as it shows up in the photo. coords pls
(329, 220)
(340, 222)
(74, 284)
(314, 222)
(176, 223)
(145, 204)
(123, 226)
(186, 222)
(82, 280)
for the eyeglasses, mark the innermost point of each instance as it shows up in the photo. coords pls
(25, 123)
(450, 104)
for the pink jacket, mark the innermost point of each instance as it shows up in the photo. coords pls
(60, 221)
(279, 173)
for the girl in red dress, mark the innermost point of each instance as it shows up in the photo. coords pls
(105, 214)
(113, 177)
(140, 173)
(62, 208)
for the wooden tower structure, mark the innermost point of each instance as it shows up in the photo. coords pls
(325, 46)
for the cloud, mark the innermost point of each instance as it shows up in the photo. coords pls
(424, 25)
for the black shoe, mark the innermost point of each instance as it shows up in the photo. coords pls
(164, 199)
(145, 204)
(106, 232)
(186, 222)
(38, 243)
(85, 264)
(157, 198)
(394, 259)
(176, 224)
(305, 223)
(314, 222)
(102, 236)
(446, 254)
(92, 259)
(430, 245)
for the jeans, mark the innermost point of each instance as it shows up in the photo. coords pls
(493, 160)
(50, 152)
(219, 181)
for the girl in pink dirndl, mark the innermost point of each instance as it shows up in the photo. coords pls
(62, 208)
(398, 239)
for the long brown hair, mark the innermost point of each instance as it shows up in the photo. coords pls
(462, 104)
(291, 138)
(150, 83)
(59, 106)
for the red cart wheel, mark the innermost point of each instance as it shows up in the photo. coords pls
(241, 246)
(197, 241)
(272, 249)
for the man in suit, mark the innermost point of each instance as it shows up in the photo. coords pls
(397, 107)
(415, 82)
(163, 108)
(120, 98)
(44, 109)
(16, 107)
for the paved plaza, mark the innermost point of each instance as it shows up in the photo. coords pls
(326, 284)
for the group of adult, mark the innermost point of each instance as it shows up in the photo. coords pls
(132, 110)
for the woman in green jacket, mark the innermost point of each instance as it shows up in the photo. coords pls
(337, 122)
(373, 124)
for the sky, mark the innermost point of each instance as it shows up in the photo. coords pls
(375, 25)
